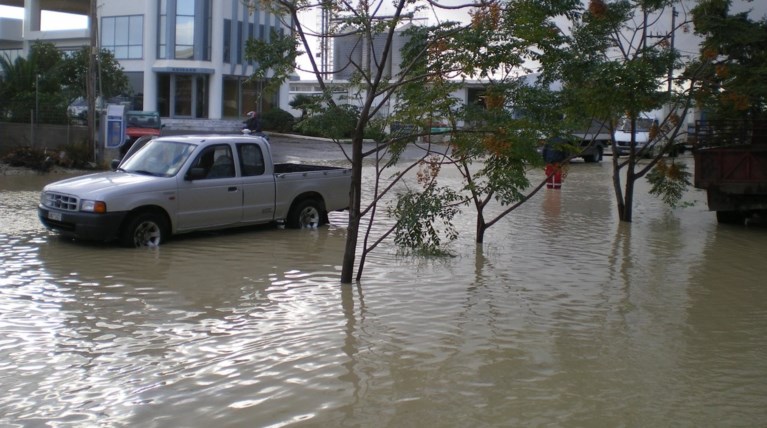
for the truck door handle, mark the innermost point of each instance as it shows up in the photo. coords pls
(232, 189)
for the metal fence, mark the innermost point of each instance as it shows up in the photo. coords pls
(710, 133)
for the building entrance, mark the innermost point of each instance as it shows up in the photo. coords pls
(183, 95)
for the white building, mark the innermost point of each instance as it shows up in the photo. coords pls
(183, 58)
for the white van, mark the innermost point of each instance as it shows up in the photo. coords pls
(644, 124)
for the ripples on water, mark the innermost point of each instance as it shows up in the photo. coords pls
(564, 317)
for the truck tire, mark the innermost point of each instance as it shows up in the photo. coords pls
(730, 217)
(596, 157)
(145, 229)
(307, 213)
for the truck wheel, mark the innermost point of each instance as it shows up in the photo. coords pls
(730, 217)
(596, 157)
(306, 214)
(144, 230)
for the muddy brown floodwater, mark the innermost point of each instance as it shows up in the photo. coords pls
(564, 317)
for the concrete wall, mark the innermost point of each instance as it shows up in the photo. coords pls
(14, 135)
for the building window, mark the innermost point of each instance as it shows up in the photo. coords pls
(240, 43)
(227, 40)
(185, 30)
(162, 39)
(123, 35)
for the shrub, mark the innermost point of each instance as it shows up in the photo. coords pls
(30, 158)
(336, 122)
(277, 120)
(69, 156)
(75, 156)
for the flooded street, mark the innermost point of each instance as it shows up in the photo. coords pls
(563, 317)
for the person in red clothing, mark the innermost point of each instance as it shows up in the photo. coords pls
(554, 154)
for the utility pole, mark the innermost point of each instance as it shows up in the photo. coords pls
(325, 45)
(674, 14)
(91, 78)
(670, 38)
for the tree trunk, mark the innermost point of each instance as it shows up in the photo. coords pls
(617, 183)
(355, 200)
(481, 227)
(628, 199)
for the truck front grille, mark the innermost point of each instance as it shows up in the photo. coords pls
(60, 201)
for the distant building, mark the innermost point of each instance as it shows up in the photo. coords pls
(184, 58)
(352, 48)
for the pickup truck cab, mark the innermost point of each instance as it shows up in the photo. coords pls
(180, 184)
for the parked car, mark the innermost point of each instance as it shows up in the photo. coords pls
(180, 184)
(78, 109)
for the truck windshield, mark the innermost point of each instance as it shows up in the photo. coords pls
(143, 119)
(643, 124)
(158, 158)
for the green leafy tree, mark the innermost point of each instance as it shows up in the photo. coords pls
(49, 80)
(734, 61)
(305, 103)
(373, 88)
(33, 84)
(495, 147)
(614, 65)
(489, 144)
(112, 80)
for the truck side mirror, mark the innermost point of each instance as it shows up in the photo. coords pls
(195, 174)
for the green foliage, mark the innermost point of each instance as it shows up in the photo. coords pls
(113, 81)
(734, 58)
(376, 130)
(337, 122)
(614, 64)
(496, 145)
(276, 58)
(29, 158)
(424, 219)
(32, 86)
(669, 181)
(76, 155)
(306, 103)
(69, 156)
(277, 120)
(47, 81)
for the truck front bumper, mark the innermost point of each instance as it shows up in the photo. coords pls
(82, 225)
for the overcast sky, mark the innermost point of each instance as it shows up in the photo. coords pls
(49, 20)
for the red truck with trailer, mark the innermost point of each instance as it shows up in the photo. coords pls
(731, 165)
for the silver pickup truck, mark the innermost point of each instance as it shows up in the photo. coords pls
(180, 184)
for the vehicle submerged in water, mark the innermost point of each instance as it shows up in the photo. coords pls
(180, 184)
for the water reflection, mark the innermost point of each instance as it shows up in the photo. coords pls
(564, 317)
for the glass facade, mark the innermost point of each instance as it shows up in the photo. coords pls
(184, 32)
(183, 95)
(123, 35)
(240, 95)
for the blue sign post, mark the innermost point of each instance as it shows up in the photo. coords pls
(115, 126)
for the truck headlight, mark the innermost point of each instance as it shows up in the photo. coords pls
(94, 206)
